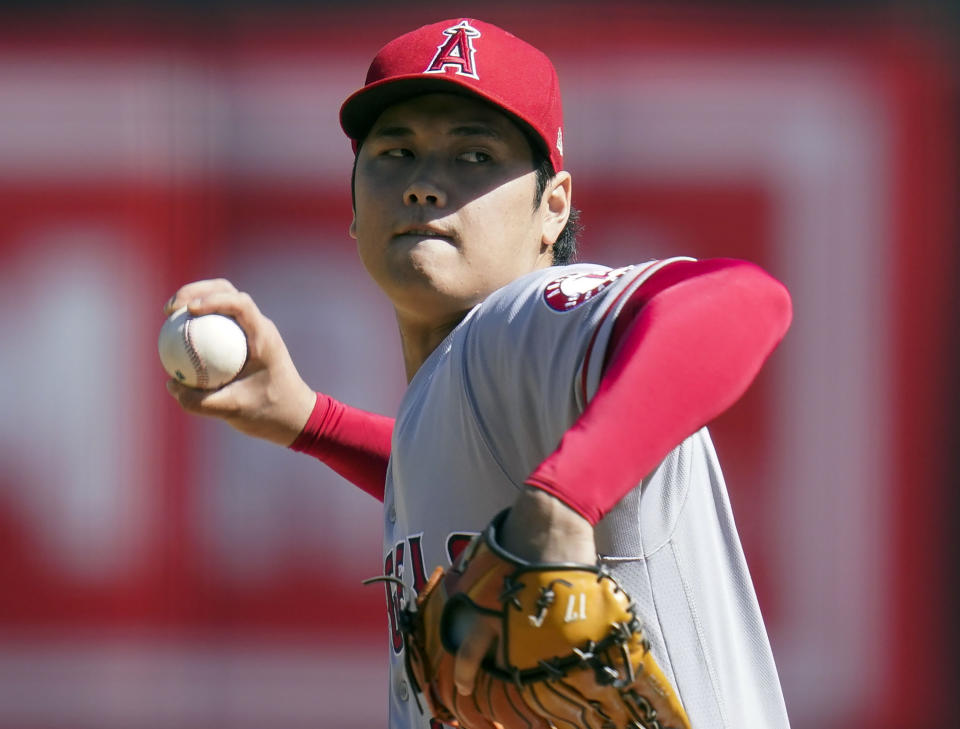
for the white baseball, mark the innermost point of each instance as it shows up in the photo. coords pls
(202, 351)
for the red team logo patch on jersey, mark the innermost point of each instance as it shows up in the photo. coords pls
(567, 292)
(456, 51)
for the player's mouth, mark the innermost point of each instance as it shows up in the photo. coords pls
(423, 232)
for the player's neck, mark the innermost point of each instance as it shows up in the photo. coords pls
(418, 339)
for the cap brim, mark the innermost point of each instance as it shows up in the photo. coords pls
(363, 108)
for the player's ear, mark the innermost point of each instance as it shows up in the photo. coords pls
(556, 207)
(353, 227)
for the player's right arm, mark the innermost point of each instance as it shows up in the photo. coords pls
(270, 400)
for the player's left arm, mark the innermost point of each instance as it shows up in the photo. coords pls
(685, 347)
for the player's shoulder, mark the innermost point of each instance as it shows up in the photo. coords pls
(556, 289)
(534, 334)
(569, 288)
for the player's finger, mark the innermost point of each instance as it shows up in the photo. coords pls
(264, 343)
(238, 304)
(475, 645)
(470, 714)
(502, 701)
(202, 402)
(196, 290)
(189, 398)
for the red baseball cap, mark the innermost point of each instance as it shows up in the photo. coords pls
(468, 57)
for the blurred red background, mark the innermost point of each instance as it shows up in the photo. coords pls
(162, 571)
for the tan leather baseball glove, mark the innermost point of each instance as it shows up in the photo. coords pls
(571, 649)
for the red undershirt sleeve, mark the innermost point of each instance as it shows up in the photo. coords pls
(684, 348)
(354, 443)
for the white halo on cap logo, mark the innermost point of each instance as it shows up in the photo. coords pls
(456, 52)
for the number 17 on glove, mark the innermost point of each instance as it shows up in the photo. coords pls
(571, 649)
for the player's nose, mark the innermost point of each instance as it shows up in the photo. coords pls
(424, 189)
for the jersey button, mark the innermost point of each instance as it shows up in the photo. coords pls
(392, 513)
(402, 691)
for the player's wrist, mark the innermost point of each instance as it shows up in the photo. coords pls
(313, 425)
(302, 407)
(540, 527)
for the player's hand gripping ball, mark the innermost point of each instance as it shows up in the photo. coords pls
(205, 352)
(571, 650)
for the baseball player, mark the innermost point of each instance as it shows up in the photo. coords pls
(574, 396)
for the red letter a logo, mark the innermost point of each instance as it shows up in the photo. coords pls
(456, 51)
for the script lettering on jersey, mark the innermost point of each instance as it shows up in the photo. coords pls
(570, 290)
(456, 51)
(408, 554)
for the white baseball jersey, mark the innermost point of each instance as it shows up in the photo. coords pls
(488, 405)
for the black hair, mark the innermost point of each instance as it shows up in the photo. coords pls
(565, 247)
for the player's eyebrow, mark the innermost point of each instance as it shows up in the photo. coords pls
(475, 130)
(472, 129)
(395, 130)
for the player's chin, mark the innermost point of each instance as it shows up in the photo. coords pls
(440, 293)
(430, 260)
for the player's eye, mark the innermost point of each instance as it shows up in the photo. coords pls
(397, 152)
(475, 156)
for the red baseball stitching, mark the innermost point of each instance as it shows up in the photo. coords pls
(199, 369)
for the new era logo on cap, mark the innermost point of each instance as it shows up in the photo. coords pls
(463, 56)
